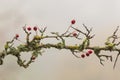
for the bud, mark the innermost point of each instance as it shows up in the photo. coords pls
(82, 55)
(16, 36)
(90, 51)
(29, 28)
(33, 58)
(74, 34)
(35, 28)
(87, 54)
(73, 21)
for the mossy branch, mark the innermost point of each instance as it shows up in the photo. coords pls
(36, 45)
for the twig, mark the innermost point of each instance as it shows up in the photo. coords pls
(116, 60)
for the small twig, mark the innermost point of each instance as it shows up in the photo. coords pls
(79, 31)
(67, 30)
(101, 62)
(116, 30)
(86, 34)
(86, 29)
(114, 36)
(28, 34)
(73, 52)
(107, 57)
(116, 60)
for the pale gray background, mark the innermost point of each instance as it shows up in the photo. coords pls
(102, 15)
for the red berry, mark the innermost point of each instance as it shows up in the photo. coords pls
(35, 28)
(87, 54)
(16, 36)
(82, 55)
(74, 34)
(73, 21)
(90, 51)
(29, 28)
(33, 57)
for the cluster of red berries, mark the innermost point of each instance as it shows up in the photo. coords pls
(86, 54)
(29, 29)
(75, 34)
(34, 28)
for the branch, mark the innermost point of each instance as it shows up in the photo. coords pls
(82, 49)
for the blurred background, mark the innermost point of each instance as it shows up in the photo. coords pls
(102, 15)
